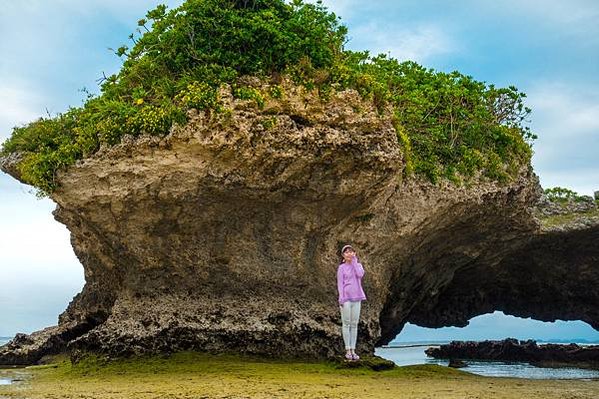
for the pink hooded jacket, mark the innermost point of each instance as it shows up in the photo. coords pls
(349, 281)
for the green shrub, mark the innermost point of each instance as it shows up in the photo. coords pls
(198, 95)
(449, 125)
(276, 92)
(249, 93)
(561, 194)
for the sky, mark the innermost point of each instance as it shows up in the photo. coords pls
(53, 49)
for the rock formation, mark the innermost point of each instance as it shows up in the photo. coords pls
(520, 351)
(224, 236)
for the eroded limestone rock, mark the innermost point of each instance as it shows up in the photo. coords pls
(224, 235)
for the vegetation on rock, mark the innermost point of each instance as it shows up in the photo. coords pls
(561, 194)
(569, 219)
(448, 124)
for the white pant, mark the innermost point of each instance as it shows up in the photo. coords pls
(350, 314)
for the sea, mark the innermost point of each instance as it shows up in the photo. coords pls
(408, 353)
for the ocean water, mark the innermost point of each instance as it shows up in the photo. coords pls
(406, 354)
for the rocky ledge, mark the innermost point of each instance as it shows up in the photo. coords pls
(224, 235)
(510, 349)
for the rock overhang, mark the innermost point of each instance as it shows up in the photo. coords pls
(203, 238)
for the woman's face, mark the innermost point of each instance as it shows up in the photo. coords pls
(347, 255)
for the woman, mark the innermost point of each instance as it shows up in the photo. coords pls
(349, 285)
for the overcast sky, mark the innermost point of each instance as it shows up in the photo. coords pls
(53, 49)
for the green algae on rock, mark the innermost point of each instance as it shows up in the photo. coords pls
(197, 375)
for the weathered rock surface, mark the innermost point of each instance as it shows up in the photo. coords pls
(524, 351)
(547, 207)
(224, 235)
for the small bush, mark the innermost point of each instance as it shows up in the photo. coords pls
(561, 194)
(249, 93)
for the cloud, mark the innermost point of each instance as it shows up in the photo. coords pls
(419, 43)
(41, 41)
(576, 16)
(565, 117)
(572, 110)
(118, 8)
(39, 241)
(29, 234)
(20, 104)
(379, 28)
(38, 268)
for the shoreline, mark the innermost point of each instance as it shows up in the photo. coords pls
(493, 368)
(511, 350)
(194, 374)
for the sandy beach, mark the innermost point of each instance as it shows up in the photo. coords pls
(198, 375)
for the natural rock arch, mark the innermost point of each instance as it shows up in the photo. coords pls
(224, 235)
